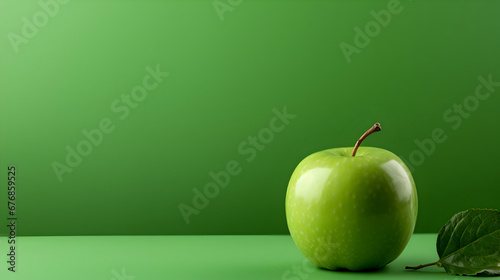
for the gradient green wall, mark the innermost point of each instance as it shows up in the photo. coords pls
(230, 71)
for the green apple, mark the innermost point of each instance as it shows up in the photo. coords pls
(351, 208)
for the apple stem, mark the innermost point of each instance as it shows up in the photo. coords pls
(375, 127)
(420, 266)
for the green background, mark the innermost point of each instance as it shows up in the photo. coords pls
(225, 79)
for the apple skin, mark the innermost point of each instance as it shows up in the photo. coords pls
(355, 213)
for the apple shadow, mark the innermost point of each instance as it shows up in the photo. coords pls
(366, 271)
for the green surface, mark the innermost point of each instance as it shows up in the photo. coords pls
(225, 79)
(194, 257)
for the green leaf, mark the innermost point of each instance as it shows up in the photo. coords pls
(469, 243)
